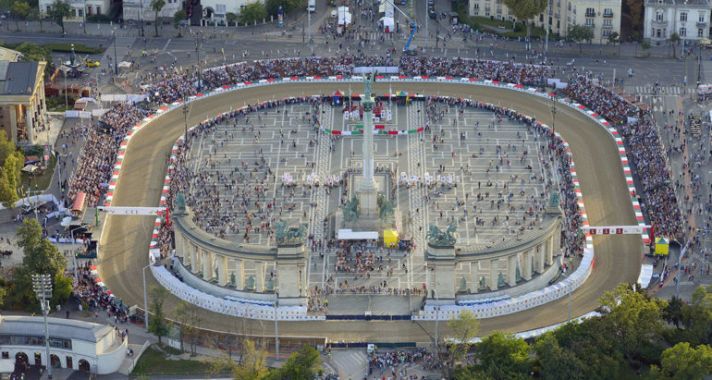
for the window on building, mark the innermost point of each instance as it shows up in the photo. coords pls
(499, 12)
(590, 12)
(683, 16)
(98, 10)
(659, 16)
(607, 22)
(701, 17)
(541, 17)
(700, 32)
(569, 6)
(608, 12)
(5, 355)
(487, 12)
(80, 13)
(683, 32)
(589, 22)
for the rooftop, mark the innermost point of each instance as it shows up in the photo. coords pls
(58, 327)
(17, 78)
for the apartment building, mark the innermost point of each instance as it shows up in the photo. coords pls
(690, 19)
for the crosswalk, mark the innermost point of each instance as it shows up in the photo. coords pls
(661, 90)
(350, 364)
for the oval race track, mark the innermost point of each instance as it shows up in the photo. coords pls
(125, 240)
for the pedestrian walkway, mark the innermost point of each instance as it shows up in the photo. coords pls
(660, 90)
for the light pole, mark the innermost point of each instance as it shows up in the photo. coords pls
(116, 64)
(145, 297)
(553, 115)
(140, 19)
(276, 325)
(74, 257)
(84, 12)
(42, 285)
(427, 16)
(437, 330)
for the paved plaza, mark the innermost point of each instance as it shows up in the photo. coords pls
(275, 164)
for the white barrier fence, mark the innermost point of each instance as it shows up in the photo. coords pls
(242, 308)
(509, 306)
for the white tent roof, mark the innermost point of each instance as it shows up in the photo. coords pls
(646, 274)
(345, 234)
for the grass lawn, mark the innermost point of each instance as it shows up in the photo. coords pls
(155, 363)
(39, 181)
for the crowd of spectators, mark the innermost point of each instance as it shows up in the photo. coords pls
(397, 363)
(96, 297)
(97, 157)
(645, 152)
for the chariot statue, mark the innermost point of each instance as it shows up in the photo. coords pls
(351, 210)
(289, 235)
(439, 238)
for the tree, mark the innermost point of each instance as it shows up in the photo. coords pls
(635, 318)
(157, 322)
(503, 356)
(524, 10)
(557, 363)
(233, 18)
(20, 9)
(252, 364)
(40, 256)
(463, 330)
(613, 38)
(35, 15)
(3, 293)
(674, 39)
(635, 9)
(303, 364)
(178, 18)
(253, 12)
(157, 6)
(186, 320)
(580, 33)
(287, 5)
(682, 361)
(58, 12)
(673, 312)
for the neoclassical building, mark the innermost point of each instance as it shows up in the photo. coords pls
(690, 19)
(237, 269)
(526, 262)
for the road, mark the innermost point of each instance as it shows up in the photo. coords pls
(123, 249)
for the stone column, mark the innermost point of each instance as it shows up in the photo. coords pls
(13, 123)
(550, 250)
(29, 125)
(205, 260)
(494, 274)
(512, 270)
(193, 259)
(539, 259)
(259, 276)
(474, 277)
(224, 276)
(527, 267)
(239, 274)
(442, 260)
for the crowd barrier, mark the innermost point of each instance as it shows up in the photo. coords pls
(442, 312)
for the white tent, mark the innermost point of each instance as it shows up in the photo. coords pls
(343, 16)
(388, 22)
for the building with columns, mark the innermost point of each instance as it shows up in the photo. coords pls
(79, 9)
(88, 347)
(526, 263)
(242, 270)
(23, 112)
(602, 16)
(690, 19)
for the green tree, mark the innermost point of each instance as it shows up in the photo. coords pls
(580, 34)
(503, 356)
(463, 330)
(186, 320)
(301, 365)
(40, 256)
(157, 322)
(524, 10)
(252, 364)
(613, 38)
(233, 18)
(20, 10)
(635, 318)
(287, 5)
(58, 12)
(697, 318)
(557, 363)
(635, 9)
(3, 293)
(8, 193)
(682, 361)
(157, 6)
(178, 18)
(674, 311)
(253, 12)
(674, 40)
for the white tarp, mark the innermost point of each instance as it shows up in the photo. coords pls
(388, 22)
(343, 15)
(346, 234)
(646, 274)
(376, 69)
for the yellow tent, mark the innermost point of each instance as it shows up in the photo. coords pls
(390, 238)
(662, 246)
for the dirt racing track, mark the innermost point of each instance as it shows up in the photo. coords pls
(125, 240)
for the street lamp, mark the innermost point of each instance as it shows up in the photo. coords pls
(276, 325)
(116, 64)
(42, 285)
(553, 115)
(145, 297)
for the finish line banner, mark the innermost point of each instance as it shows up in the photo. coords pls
(376, 69)
(616, 230)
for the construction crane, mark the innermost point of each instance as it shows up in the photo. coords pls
(413, 29)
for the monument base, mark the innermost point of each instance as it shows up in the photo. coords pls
(369, 214)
